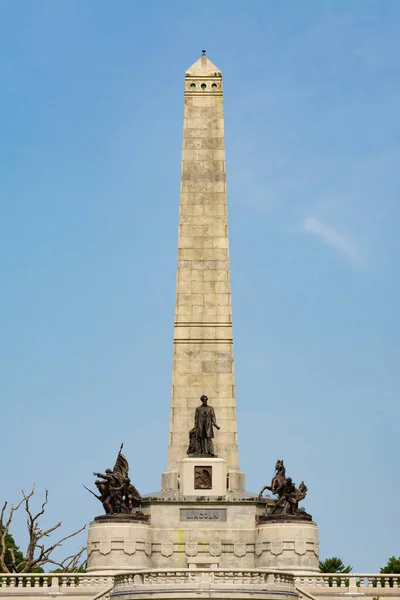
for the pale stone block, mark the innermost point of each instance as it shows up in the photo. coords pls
(185, 254)
(195, 380)
(216, 231)
(236, 480)
(118, 546)
(209, 333)
(181, 333)
(292, 547)
(224, 393)
(203, 133)
(179, 438)
(210, 299)
(196, 276)
(203, 198)
(169, 480)
(194, 143)
(179, 402)
(192, 186)
(198, 242)
(215, 186)
(209, 312)
(215, 254)
(214, 209)
(212, 143)
(181, 367)
(227, 425)
(220, 242)
(223, 276)
(182, 379)
(181, 391)
(198, 209)
(203, 113)
(220, 198)
(204, 155)
(184, 264)
(183, 287)
(196, 332)
(222, 299)
(223, 287)
(186, 198)
(201, 123)
(210, 275)
(219, 154)
(225, 379)
(184, 275)
(185, 231)
(225, 310)
(226, 413)
(189, 299)
(224, 333)
(216, 166)
(209, 379)
(187, 476)
(187, 155)
(203, 101)
(226, 439)
(185, 242)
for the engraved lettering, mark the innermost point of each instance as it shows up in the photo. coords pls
(193, 514)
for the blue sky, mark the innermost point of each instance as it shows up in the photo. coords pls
(91, 96)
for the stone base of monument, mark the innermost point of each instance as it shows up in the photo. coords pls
(287, 544)
(203, 476)
(120, 542)
(172, 480)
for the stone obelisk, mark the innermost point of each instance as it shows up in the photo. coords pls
(203, 343)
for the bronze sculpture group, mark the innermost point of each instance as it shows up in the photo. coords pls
(289, 496)
(201, 436)
(117, 494)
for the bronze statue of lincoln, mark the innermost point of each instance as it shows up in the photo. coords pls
(204, 423)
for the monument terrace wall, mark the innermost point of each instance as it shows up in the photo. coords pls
(200, 583)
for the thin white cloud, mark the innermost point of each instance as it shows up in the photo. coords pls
(330, 236)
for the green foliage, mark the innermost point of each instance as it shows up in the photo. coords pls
(80, 569)
(334, 565)
(18, 555)
(11, 545)
(393, 565)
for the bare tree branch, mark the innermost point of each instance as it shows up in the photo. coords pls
(37, 555)
(71, 563)
(5, 527)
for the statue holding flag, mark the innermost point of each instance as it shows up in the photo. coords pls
(117, 494)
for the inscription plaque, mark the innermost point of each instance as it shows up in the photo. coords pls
(203, 514)
(203, 478)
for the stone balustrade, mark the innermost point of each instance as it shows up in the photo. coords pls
(201, 582)
(43, 585)
(336, 585)
(204, 582)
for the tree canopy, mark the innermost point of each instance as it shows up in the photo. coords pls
(11, 549)
(393, 565)
(334, 565)
(37, 555)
